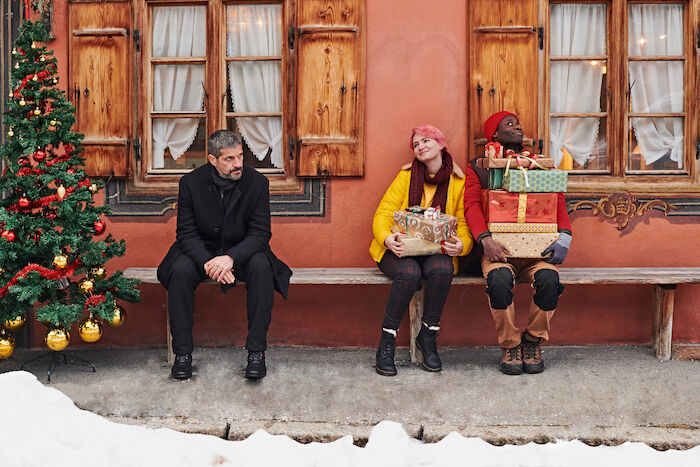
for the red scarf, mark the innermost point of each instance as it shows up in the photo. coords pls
(419, 176)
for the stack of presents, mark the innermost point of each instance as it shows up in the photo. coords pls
(520, 205)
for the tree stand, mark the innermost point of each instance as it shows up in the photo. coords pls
(55, 361)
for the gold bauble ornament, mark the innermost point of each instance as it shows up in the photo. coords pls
(36, 77)
(16, 66)
(93, 188)
(55, 81)
(60, 261)
(53, 122)
(42, 59)
(16, 323)
(118, 317)
(57, 338)
(61, 192)
(90, 329)
(98, 273)
(7, 344)
(37, 111)
(2, 271)
(22, 102)
(10, 133)
(86, 285)
(14, 51)
(33, 45)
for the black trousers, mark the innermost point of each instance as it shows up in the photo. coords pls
(436, 271)
(186, 276)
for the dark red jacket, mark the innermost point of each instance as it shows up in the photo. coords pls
(476, 180)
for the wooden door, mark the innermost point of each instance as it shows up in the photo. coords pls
(100, 83)
(503, 48)
(330, 87)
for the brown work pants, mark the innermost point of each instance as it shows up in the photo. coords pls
(523, 270)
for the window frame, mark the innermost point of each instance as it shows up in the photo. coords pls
(216, 89)
(618, 115)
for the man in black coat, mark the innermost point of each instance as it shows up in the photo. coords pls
(223, 230)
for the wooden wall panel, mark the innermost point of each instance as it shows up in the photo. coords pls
(100, 84)
(503, 64)
(330, 88)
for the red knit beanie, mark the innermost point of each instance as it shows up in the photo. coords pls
(491, 123)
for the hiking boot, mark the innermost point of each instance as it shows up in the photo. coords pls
(385, 355)
(511, 361)
(532, 355)
(426, 343)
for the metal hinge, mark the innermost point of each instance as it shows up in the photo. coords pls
(137, 39)
(291, 35)
(698, 45)
(540, 145)
(540, 36)
(697, 149)
(137, 150)
(292, 148)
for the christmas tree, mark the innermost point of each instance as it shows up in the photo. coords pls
(51, 258)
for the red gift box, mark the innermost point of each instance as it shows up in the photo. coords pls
(502, 206)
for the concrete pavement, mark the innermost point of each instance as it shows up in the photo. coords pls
(600, 395)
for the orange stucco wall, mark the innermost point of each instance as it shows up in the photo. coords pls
(416, 62)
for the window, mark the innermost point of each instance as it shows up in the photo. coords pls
(621, 84)
(212, 65)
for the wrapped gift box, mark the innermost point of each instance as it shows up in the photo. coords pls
(538, 181)
(413, 246)
(487, 163)
(502, 206)
(495, 178)
(525, 245)
(413, 223)
(523, 227)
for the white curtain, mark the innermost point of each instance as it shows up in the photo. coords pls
(657, 87)
(178, 31)
(256, 86)
(577, 30)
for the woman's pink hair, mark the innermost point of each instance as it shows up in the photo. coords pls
(431, 132)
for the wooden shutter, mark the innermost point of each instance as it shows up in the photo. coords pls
(100, 83)
(503, 48)
(330, 87)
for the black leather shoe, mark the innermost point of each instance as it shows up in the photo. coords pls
(385, 355)
(182, 368)
(256, 365)
(426, 341)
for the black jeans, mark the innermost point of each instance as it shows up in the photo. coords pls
(186, 276)
(435, 270)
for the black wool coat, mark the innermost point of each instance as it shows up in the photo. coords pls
(206, 228)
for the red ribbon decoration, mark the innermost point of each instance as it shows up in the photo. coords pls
(48, 199)
(94, 300)
(44, 272)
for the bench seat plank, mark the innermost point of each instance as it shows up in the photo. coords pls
(567, 276)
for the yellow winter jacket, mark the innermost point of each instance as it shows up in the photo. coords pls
(396, 198)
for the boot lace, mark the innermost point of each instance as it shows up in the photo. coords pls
(513, 353)
(531, 350)
(388, 348)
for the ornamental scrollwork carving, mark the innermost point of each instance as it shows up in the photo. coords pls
(622, 207)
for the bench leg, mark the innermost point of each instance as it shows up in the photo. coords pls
(169, 336)
(415, 314)
(662, 321)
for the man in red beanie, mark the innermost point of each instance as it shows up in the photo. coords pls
(519, 352)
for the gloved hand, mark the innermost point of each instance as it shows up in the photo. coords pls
(558, 249)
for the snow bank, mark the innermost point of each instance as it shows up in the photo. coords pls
(41, 426)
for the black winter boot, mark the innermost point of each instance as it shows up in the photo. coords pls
(385, 355)
(256, 368)
(426, 343)
(182, 368)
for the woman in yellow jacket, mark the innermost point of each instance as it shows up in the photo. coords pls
(430, 180)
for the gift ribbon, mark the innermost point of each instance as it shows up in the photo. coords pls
(522, 207)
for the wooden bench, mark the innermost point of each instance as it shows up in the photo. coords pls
(664, 280)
